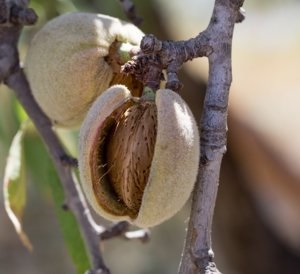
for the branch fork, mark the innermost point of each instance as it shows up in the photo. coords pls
(214, 43)
(156, 56)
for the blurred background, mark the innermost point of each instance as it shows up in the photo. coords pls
(256, 223)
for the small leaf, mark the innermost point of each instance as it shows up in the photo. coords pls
(20, 112)
(42, 167)
(69, 225)
(14, 186)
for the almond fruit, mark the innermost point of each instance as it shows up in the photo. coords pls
(138, 157)
(69, 63)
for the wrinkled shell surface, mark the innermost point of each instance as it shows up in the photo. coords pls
(129, 153)
(65, 64)
(174, 165)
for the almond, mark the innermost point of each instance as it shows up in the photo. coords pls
(138, 158)
(70, 62)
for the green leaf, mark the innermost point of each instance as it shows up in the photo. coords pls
(14, 186)
(20, 112)
(69, 225)
(41, 166)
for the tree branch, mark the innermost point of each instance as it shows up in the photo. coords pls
(13, 76)
(198, 256)
(155, 55)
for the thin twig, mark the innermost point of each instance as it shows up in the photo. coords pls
(156, 56)
(142, 234)
(114, 230)
(130, 11)
(120, 229)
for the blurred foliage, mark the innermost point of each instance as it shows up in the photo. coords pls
(45, 176)
(39, 165)
(14, 185)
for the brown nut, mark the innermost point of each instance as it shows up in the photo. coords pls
(68, 63)
(138, 158)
